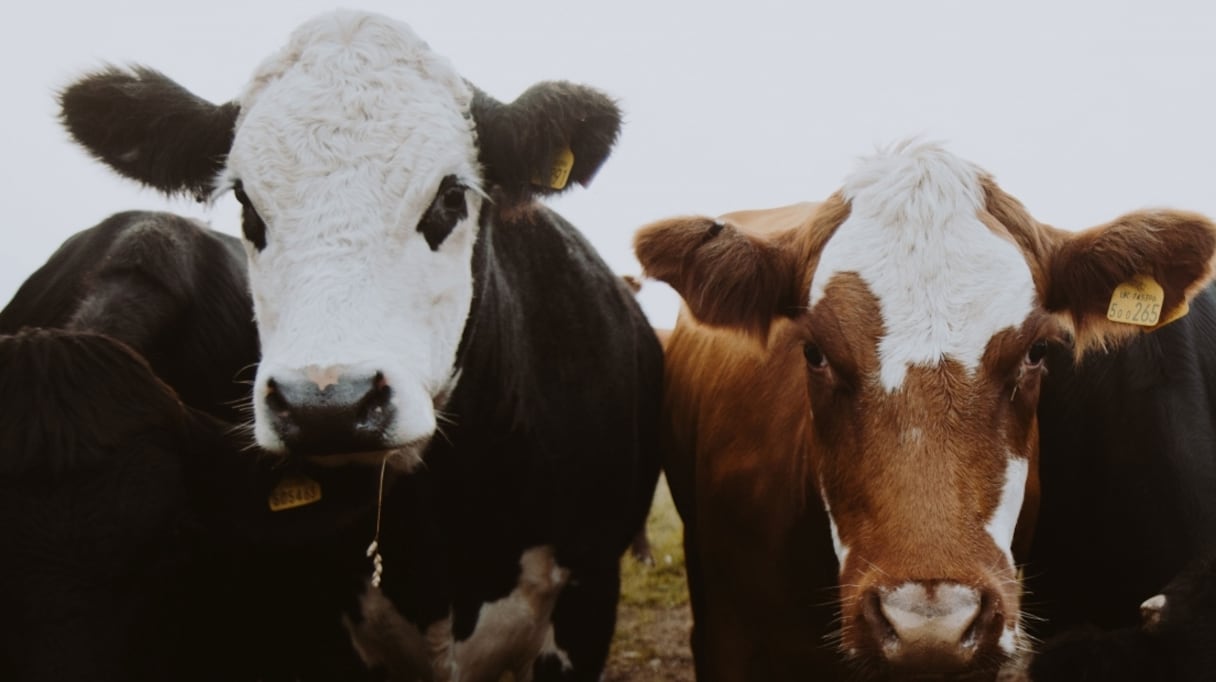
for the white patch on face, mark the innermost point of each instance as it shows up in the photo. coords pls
(513, 631)
(945, 282)
(1005, 518)
(1008, 641)
(842, 551)
(342, 141)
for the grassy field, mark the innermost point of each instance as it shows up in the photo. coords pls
(653, 619)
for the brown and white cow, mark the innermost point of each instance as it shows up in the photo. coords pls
(862, 376)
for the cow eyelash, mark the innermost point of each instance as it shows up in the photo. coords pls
(815, 359)
(252, 225)
(1036, 355)
(448, 208)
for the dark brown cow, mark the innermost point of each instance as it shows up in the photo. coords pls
(863, 377)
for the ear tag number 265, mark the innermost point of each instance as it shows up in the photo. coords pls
(1137, 301)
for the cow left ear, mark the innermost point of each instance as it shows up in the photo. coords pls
(554, 134)
(1131, 275)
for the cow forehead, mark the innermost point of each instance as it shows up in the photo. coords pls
(945, 282)
(354, 109)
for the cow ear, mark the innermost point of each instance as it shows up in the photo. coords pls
(1141, 270)
(726, 277)
(150, 129)
(554, 134)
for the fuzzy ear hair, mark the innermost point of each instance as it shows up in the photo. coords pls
(150, 129)
(1174, 249)
(727, 278)
(553, 134)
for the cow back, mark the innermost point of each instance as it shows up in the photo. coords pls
(168, 287)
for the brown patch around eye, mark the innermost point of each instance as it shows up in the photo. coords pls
(846, 325)
(1008, 350)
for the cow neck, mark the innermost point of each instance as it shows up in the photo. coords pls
(490, 353)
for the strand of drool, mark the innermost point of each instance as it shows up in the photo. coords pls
(373, 550)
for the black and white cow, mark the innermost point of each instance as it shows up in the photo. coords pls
(1173, 643)
(168, 287)
(416, 306)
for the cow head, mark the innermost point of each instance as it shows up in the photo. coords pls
(365, 167)
(926, 298)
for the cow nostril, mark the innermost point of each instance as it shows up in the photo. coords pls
(373, 409)
(275, 401)
(880, 627)
(989, 617)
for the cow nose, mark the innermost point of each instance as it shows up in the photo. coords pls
(932, 627)
(329, 411)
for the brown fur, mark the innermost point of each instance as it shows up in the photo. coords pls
(913, 475)
(737, 446)
(1076, 273)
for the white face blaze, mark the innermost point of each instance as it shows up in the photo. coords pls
(1004, 520)
(946, 283)
(343, 140)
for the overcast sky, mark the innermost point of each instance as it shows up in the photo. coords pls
(1083, 110)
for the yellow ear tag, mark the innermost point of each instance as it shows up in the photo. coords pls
(1137, 302)
(559, 174)
(1176, 314)
(294, 491)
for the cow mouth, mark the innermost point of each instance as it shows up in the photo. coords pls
(403, 458)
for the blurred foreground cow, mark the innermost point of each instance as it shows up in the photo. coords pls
(1173, 643)
(416, 306)
(852, 437)
(167, 287)
(102, 578)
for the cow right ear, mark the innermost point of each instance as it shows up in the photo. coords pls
(150, 129)
(726, 277)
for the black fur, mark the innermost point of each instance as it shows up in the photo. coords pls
(149, 128)
(166, 286)
(1179, 647)
(1128, 473)
(518, 142)
(555, 437)
(138, 543)
(97, 573)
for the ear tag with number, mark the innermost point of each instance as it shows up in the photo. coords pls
(559, 173)
(1137, 301)
(1177, 313)
(294, 491)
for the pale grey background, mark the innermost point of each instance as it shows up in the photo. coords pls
(1083, 110)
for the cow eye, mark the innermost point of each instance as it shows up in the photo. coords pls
(814, 357)
(251, 223)
(448, 208)
(1037, 354)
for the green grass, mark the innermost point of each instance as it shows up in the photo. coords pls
(662, 585)
(653, 619)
